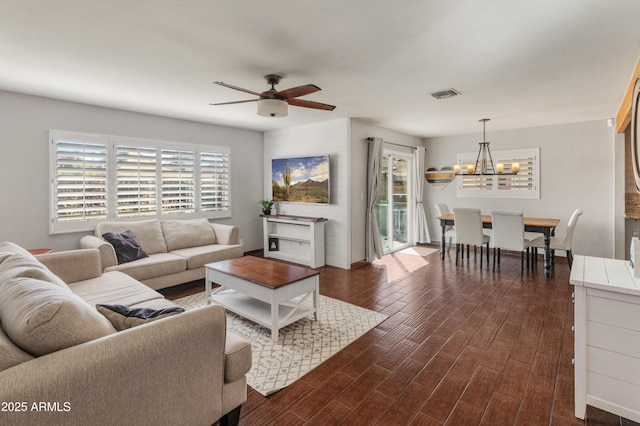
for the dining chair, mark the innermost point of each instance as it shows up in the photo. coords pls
(530, 236)
(561, 243)
(449, 231)
(469, 231)
(508, 234)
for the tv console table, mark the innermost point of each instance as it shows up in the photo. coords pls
(297, 239)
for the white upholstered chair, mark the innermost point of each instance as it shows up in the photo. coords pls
(508, 234)
(469, 231)
(449, 231)
(563, 242)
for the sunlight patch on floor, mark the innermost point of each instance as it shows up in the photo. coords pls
(402, 263)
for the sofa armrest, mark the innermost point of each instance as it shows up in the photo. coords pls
(170, 371)
(226, 234)
(107, 252)
(73, 265)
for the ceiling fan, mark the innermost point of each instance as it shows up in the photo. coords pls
(274, 103)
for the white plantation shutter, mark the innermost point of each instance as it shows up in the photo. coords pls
(475, 181)
(79, 181)
(524, 180)
(178, 182)
(136, 187)
(526, 184)
(215, 181)
(98, 177)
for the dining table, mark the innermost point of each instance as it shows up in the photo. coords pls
(544, 226)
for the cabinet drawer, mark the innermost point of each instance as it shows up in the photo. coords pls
(617, 366)
(614, 312)
(612, 338)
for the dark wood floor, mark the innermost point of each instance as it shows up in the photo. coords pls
(462, 346)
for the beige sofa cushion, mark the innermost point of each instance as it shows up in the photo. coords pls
(17, 262)
(115, 288)
(73, 265)
(156, 265)
(237, 358)
(41, 317)
(147, 232)
(197, 257)
(10, 354)
(187, 233)
(159, 303)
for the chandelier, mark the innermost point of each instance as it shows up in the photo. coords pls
(484, 162)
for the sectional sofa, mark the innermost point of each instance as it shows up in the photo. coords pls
(64, 362)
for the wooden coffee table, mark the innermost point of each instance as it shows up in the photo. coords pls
(261, 290)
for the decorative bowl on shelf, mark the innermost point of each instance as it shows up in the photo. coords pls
(442, 176)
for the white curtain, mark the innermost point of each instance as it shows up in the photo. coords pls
(420, 228)
(373, 244)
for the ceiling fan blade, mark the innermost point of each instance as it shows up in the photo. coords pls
(237, 88)
(310, 104)
(236, 102)
(294, 92)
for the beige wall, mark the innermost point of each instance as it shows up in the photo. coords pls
(24, 162)
(326, 138)
(577, 169)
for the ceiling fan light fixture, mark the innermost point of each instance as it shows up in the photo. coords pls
(274, 103)
(273, 108)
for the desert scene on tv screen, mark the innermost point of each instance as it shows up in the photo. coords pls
(301, 179)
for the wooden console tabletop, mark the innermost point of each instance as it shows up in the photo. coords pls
(300, 218)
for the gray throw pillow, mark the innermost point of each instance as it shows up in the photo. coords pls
(126, 246)
(123, 317)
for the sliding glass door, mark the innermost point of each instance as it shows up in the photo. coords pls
(394, 198)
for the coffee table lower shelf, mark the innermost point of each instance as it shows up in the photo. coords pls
(260, 312)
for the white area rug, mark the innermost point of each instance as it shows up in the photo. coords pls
(301, 346)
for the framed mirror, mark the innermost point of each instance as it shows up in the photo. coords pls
(635, 130)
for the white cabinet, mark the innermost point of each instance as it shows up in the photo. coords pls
(607, 336)
(297, 239)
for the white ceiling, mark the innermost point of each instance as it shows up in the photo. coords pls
(522, 63)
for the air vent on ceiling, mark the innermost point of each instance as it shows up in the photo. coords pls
(445, 94)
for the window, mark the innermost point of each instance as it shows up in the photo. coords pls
(80, 170)
(178, 181)
(97, 177)
(526, 184)
(135, 181)
(214, 182)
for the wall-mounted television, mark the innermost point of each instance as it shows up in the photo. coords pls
(300, 179)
